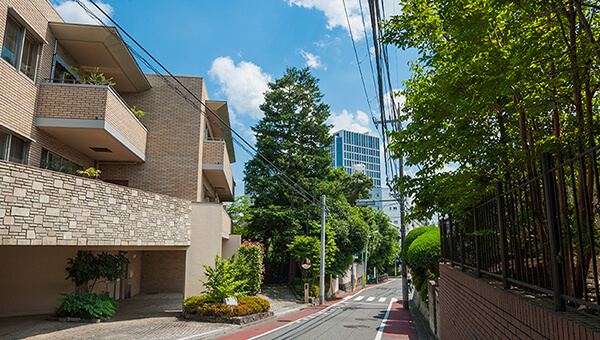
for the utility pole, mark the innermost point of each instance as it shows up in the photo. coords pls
(322, 277)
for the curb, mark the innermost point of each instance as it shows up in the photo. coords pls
(236, 320)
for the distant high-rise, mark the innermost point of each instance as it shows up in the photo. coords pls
(357, 152)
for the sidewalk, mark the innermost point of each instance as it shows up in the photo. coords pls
(145, 316)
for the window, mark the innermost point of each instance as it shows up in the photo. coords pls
(55, 162)
(20, 49)
(12, 148)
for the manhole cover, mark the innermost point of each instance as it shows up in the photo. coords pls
(350, 326)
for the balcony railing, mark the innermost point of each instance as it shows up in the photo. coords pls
(92, 119)
(216, 167)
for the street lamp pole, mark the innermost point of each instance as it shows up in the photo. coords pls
(322, 278)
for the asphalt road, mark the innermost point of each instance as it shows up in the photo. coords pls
(360, 316)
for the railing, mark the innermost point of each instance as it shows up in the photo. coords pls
(542, 235)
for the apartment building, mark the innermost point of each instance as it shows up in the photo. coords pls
(164, 175)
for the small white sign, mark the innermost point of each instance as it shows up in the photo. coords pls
(230, 301)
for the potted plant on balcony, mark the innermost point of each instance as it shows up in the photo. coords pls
(95, 78)
(90, 173)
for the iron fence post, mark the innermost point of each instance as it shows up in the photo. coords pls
(556, 256)
(503, 241)
(461, 239)
(451, 248)
(477, 250)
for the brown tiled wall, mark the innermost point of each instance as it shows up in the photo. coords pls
(214, 152)
(42, 207)
(72, 101)
(472, 308)
(173, 146)
(18, 94)
(119, 115)
(163, 271)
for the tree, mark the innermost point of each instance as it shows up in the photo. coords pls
(293, 137)
(241, 215)
(86, 269)
(496, 84)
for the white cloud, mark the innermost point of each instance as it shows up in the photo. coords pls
(243, 85)
(312, 61)
(70, 11)
(358, 122)
(336, 15)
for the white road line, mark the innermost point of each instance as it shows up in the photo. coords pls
(382, 299)
(382, 326)
(359, 298)
(318, 313)
(371, 298)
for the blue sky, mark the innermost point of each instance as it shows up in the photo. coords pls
(239, 46)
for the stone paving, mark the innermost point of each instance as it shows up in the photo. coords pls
(145, 316)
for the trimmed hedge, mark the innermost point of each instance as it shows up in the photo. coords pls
(414, 234)
(206, 306)
(425, 251)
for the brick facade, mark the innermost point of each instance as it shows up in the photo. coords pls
(42, 207)
(175, 134)
(473, 308)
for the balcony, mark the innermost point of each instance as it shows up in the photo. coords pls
(216, 168)
(92, 119)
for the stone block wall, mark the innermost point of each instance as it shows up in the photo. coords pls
(474, 308)
(42, 207)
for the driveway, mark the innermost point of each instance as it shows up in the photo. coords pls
(145, 316)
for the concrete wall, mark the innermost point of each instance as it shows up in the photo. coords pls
(207, 221)
(34, 277)
(42, 207)
(471, 308)
(230, 245)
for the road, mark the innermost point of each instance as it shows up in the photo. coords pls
(373, 313)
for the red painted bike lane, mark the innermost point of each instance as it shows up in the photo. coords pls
(398, 320)
(399, 324)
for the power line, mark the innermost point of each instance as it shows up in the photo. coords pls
(305, 194)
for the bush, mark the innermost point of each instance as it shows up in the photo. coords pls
(248, 266)
(205, 305)
(221, 281)
(413, 235)
(87, 306)
(425, 251)
(298, 286)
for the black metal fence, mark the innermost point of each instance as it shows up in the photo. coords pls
(542, 235)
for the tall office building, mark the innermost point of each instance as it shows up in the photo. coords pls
(357, 152)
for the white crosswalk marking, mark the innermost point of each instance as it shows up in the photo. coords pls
(382, 299)
(359, 298)
(371, 298)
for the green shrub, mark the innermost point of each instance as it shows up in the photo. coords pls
(205, 305)
(413, 235)
(221, 281)
(87, 306)
(298, 287)
(425, 251)
(248, 266)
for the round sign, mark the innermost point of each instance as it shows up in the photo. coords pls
(305, 263)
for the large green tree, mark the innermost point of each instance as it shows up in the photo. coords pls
(497, 83)
(293, 138)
